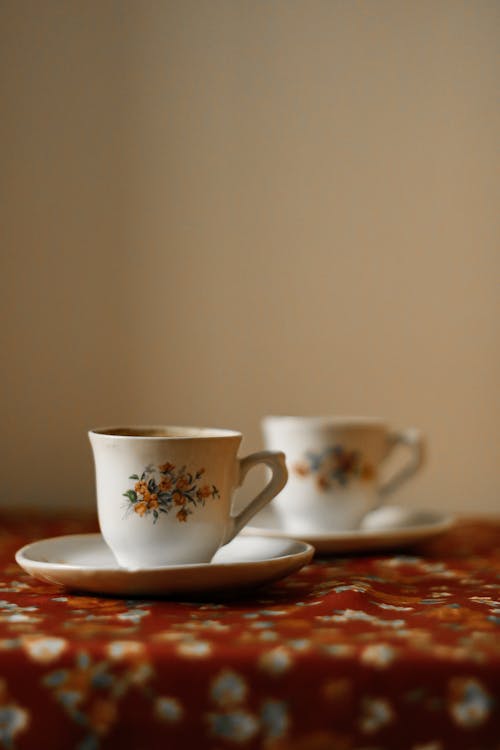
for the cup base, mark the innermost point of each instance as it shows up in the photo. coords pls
(149, 563)
(329, 521)
(159, 557)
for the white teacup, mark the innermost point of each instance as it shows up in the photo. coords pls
(164, 494)
(334, 469)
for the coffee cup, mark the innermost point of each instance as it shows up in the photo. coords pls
(165, 494)
(334, 466)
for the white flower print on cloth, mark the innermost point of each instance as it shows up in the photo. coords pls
(140, 673)
(231, 720)
(393, 607)
(277, 661)
(13, 587)
(321, 659)
(236, 726)
(135, 615)
(14, 719)
(228, 689)
(89, 692)
(43, 648)
(125, 650)
(379, 655)
(234, 720)
(468, 702)
(12, 613)
(274, 718)
(347, 615)
(376, 713)
(193, 649)
(168, 709)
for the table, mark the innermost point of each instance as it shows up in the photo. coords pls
(397, 650)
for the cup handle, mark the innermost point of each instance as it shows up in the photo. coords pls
(275, 460)
(413, 439)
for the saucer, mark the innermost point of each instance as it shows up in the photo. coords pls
(388, 527)
(84, 562)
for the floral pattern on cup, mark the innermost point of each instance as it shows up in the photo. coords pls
(164, 488)
(335, 466)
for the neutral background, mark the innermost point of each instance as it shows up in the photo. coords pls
(215, 210)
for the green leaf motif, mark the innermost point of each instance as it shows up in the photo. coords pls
(152, 498)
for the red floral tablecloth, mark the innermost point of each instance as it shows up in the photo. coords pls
(387, 651)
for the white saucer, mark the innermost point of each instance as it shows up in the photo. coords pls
(84, 562)
(388, 527)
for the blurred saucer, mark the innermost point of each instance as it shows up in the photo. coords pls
(387, 527)
(84, 562)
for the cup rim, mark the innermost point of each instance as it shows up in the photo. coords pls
(325, 420)
(152, 432)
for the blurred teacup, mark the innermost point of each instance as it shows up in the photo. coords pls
(165, 494)
(334, 467)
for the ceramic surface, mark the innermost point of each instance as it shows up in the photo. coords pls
(165, 494)
(84, 562)
(335, 468)
(389, 527)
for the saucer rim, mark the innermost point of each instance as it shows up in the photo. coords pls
(445, 522)
(21, 558)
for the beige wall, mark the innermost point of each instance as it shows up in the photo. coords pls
(215, 210)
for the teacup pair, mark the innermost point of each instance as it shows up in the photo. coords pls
(164, 495)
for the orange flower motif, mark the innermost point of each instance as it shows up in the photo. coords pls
(108, 606)
(182, 482)
(335, 465)
(164, 487)
(301, 469)
(323, 483)
(347, 461)
(165, 484)
(178, 498)
(367, 472)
